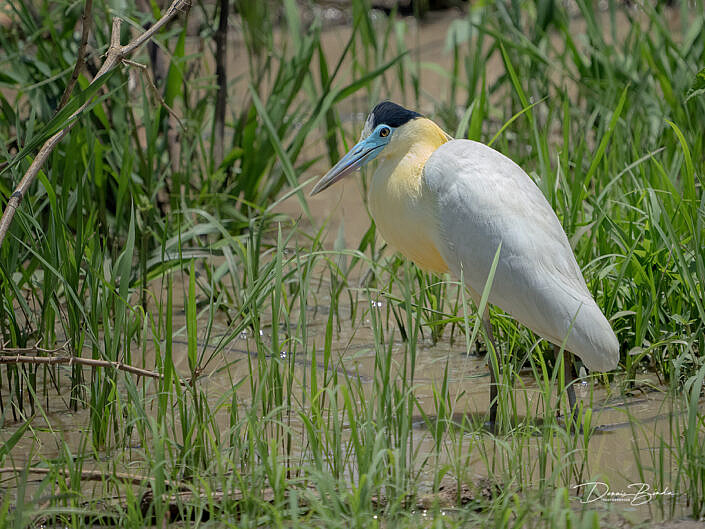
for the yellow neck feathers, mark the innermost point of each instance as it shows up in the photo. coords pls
(400, 205)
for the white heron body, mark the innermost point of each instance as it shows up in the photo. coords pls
(484, 199)
(447, 205)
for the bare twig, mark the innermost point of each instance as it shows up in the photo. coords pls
(19, 355)
(221, 47)
(178, 494)
(81, 58)
(71, 360)
(111, 511)
(36, 349)
(91, 475)
(155, 90)
(115, 55)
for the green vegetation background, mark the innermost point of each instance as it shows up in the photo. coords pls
(142, 226)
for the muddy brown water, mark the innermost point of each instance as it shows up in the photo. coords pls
(628, 423)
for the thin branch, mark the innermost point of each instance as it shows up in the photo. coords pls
(181, 494)
(81, 59)
(221, 72)
(155, 90)
(36, 349)
(116, 54)
(176, 7)
(71, 360)
(91, 475)
(18, 355)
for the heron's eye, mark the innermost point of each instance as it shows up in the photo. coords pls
(384, 132)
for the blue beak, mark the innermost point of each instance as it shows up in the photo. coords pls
(358, 156)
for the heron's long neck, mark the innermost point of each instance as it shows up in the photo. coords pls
(401, 206)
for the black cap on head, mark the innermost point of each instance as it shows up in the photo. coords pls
(391, 114)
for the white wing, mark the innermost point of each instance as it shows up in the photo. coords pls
(484, 198)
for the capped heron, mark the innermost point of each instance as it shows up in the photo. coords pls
(448, 205)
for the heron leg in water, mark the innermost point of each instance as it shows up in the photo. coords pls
(494, 368)
(569, 378)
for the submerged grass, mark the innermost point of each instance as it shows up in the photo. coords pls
(288, 390)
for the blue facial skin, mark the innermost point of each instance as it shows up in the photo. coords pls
(363, 152)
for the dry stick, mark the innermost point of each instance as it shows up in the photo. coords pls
(17, 358)
(155, 91)
(112, 511)
(81, 59)
(221, 47)
(173, 500)
(116, 54)
(90, 475)
(70, 360)
(36, 349)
